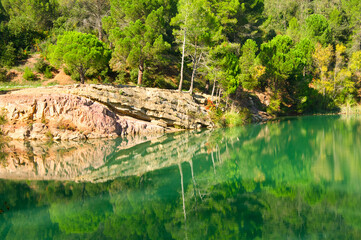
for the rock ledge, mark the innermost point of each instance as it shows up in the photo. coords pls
(98, 111)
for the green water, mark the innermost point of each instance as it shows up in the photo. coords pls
(299, 178)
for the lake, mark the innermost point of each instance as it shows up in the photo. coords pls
(298, 178)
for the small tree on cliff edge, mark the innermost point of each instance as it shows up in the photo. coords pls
(81, 52)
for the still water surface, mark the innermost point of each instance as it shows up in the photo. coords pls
(299, 178)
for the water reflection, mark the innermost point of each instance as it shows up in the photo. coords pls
(97, 160)
(296, 179)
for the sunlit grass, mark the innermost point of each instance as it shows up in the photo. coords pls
(15, 85)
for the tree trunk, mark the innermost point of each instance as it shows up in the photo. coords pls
(182, 64)
(140, 72)
(194, 182)
(82, 74)
(214, 166)
(184, 205)
(192, 79)
(219, 96)
(100, 31)
(195, 61)
(214, 88)
(206, 89)
(82, 78)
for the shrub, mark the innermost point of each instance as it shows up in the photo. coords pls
(3, 119)
(274, 107)
(41, 66)
(66, 125)
(67, 71)
(9, 56)
(29, 75)
(121, 78)
(161, 82)
(3, 74)
(48, 73)
(233, 118)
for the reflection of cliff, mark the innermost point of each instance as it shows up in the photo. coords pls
(66, 160)
(57, 161)
(96, 160)
(288, 151)
(150, 156)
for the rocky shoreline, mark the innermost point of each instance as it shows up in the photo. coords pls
(80, 112)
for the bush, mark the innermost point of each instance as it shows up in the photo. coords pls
(9, 56)
(41, 66)
(3, 74)
(274, 107)
(161, 82)
(48, 73)
(29, 75)
(232, 118)
(3, 119)
(67, 71)
(121, 78)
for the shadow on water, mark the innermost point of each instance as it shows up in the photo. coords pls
(294, 179)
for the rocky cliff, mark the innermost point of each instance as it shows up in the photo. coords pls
(98, 111)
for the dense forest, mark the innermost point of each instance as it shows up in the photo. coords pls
(305, 54)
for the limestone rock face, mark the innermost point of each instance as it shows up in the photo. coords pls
(96, 111)
(65, 116)
(170, 106)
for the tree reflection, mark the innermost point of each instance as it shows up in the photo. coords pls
(296, 178)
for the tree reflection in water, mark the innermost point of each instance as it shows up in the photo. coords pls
(296, 178)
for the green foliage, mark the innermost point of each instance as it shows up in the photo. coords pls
(41, 65)
(355, 62)
(294, 29)
(47, 72)
(3, 75)
(229, 118)
(161, 82)
(287, 66)
(318, 29)
(140, 44)
(277, 57)
(231, 70)
(9, 55)
(40, 13)
(274, 107)
(196, 30)
(278, 15)
(80, 52)
(145, 41)
(29, 75)
(339, 24)
(3, 118)
(247, 65)
(233, 118)
(223, 66)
